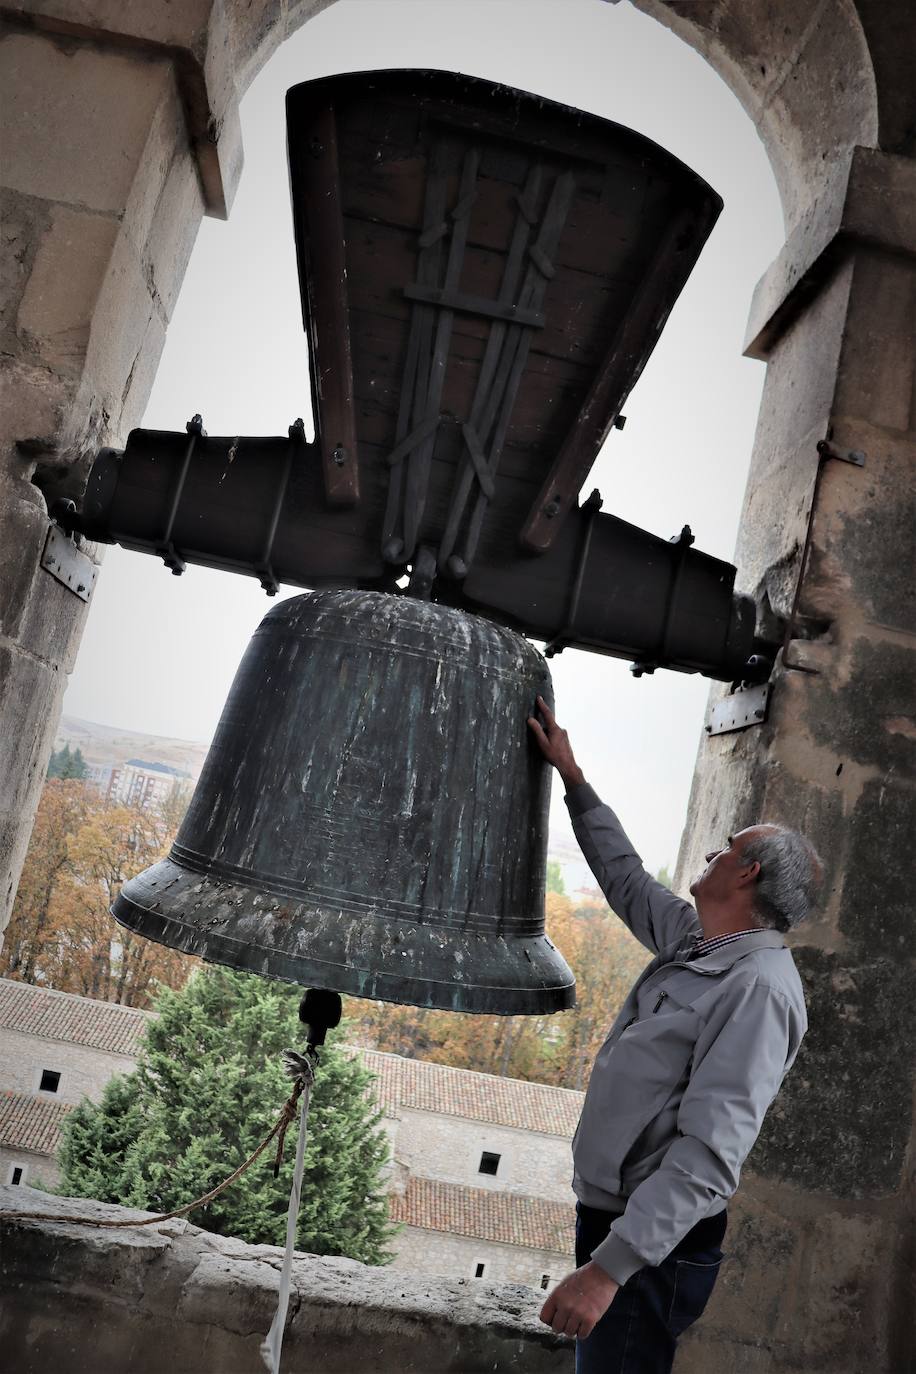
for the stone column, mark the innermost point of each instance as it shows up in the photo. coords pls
(114, 146)
(821, 1274)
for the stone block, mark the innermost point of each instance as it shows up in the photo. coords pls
(822, 102)
(77, 119)
(877, 372)
(128, 334)
(58, 305)
(36, 401)
(23, 525)
(753, 1293)
(23, 224)
(795, 414)
(167, 138)
(173, 231)
(847, 1276)
(825, 1132)
(861, 715)
(865, 535)
(30, 697)
(877, 902)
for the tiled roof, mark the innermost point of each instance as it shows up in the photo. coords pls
(506, 1218)
(31, 1123)
(475, 1096)
(76, 1020)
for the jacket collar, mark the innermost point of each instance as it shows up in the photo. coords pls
(725, 956)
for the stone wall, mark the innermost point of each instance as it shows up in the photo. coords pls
(36, 1168)
(436, 1252)
(84, 1071)
(449, 1148)
(170, 1296)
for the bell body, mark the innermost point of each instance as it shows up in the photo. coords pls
(372, 815)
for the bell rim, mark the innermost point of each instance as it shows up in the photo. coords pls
(139, 908)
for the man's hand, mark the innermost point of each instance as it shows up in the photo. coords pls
(581, 1300)
(555, 745)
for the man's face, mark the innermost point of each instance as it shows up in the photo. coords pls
(725, 868)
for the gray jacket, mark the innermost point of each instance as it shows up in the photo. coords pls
(681, 1085)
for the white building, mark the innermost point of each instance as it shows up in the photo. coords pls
(55, 1049)
(480, 1171)
(136, 782)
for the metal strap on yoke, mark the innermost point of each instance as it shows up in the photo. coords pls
(504, 362)
(427, 351)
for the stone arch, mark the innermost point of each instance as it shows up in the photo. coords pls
(803, 73)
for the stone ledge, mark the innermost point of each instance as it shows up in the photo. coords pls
(874, 203)
(174, 1297)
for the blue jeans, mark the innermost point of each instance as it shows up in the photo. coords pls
(638, 1333)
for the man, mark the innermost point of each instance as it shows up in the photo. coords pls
(679, 1089)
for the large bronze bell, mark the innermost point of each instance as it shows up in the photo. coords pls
(372, 816)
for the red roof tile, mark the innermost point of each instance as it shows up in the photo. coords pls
(31, 1123)
(475, 1096)
(76, 1020)
(506, 1218)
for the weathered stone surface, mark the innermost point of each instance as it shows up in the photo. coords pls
(881, 921)
(76, 119)
(208, 1302)
(856, 713)
(195, 36)
(842, 1121)
(59, 302)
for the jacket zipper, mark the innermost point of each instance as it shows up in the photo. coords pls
(633, 1019)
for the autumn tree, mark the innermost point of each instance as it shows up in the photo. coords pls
(61, 933)
(96, 957)
(557, 1049)
(32, 933)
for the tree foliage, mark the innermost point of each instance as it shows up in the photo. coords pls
(207, 1088)
(555, 881)
(557, 1049)
(64, 764)
(61, 932)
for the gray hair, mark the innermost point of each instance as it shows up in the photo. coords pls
(789, 878)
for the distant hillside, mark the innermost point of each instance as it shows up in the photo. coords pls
(106, 744)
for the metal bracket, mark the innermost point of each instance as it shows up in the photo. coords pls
(741, 709)
(68, 564)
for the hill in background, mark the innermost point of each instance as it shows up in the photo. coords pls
(108, 744)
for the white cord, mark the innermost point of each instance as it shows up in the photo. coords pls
(272, 1344)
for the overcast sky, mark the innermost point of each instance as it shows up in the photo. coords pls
(159, 651)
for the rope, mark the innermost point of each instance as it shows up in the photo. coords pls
(300, 1067)
(287, 1114)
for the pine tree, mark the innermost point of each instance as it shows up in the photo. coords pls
(207, 1088)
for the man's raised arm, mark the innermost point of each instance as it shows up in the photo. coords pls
(654, 914)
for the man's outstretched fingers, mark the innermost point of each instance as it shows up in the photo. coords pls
(549, 717)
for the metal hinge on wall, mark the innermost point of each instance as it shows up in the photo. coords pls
(68, 564)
